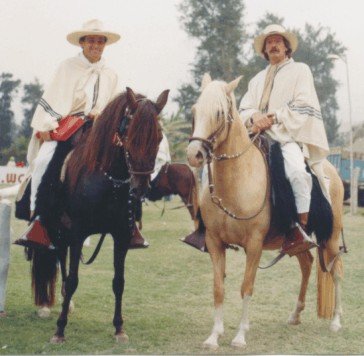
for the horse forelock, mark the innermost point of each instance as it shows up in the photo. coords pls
(213, 103)
(144, 130)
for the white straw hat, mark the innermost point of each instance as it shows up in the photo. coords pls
(92, 27)
(275, 30)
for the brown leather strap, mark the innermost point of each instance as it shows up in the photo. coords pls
(343, 249)
(96, 252)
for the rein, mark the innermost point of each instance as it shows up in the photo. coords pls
(343, 249)
(208, 145)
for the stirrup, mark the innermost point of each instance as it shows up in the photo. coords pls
(36, 236)
(196, 240)
(298, 241)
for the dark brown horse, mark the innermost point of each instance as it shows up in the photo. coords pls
(176, 178)
(106, 175)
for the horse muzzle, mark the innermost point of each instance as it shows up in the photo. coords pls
(139, 186)
(196, 154)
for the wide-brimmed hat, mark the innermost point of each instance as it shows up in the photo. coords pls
(92, 27)
(275, 30)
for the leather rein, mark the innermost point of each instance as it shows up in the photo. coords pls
(208, 145)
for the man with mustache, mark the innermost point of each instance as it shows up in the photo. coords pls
(282, 102)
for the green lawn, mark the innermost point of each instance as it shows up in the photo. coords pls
(168, 303)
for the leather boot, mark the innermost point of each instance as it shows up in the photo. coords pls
(36, 236)
(297, 240)
(137, 240)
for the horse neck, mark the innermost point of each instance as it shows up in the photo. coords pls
(235, 139)
(237, 171)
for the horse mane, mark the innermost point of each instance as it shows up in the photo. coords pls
(97, 150)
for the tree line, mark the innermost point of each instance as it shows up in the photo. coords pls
(224, 49)
(14, 138)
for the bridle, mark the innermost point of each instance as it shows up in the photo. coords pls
(121, 138)
(208, 146)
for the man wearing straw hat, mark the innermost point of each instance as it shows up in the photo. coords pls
(82, 86)
(281, 100)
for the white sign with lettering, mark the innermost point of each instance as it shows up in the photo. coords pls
(12, 175)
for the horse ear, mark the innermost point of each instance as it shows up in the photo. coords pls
(132, 100)
(162, 101)
(205, 80)
(233, 85)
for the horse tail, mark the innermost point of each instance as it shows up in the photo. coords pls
(325, 292)
(44, 276)
(328, 286)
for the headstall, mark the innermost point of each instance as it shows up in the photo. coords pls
(121, 137)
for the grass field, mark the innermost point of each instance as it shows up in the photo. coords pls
(168, 304)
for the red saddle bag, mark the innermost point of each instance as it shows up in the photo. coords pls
(68, 125)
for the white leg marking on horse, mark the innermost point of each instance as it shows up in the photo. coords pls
(122, 337)
(294, 318)
(212, 341)
(44, 312)
(71, 308)
(239, 339)
(336, 324)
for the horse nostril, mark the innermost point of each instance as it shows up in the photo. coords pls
(200, 156)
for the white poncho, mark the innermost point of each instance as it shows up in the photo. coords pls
(294, 100)
(78, 87)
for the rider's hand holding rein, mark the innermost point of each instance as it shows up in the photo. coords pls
(261, 122)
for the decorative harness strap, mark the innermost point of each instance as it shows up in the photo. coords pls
(208, 146)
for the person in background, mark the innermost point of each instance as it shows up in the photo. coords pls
(163, 156)
(11, 162)
(5, 239)
(5, 213)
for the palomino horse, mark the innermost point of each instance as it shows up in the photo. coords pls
(106, 174)
(237, 209)
(176, 178)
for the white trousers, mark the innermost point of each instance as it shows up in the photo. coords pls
(5, 215)
(301, 181)
(40, 165)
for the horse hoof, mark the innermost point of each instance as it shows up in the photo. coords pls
(122, 337)
(44, 312)
(57, 339)
(294, 321)
(238, 344)
(335, 327)
(209, 346)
